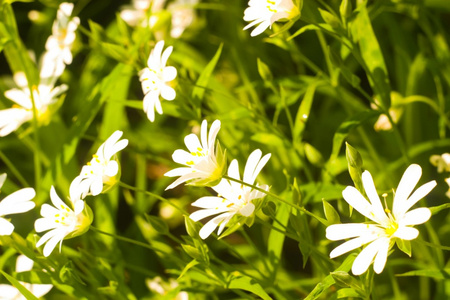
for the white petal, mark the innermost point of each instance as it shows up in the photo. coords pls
(381, 258)
(371, 192)
(358, 202)
(112, 168)
(415, 197)
(204, 213)
(6, 228)
(203, 134)
(23, 263)
(209, 227)
(19, 97)
(213, 131)
(416, 216)
(51, 244)
(182, 179)
(192, 143)
(408, 182)
(18, 202)
(209, 202)
(352, 245)
(168, 93)
(247, 210)
(8, 292)
(181, 156)
(178, 172)
(406, 233)
(165, 55)
(40, 290)
(44, 224)
(344, 231)
(96, 186)
(367, 255)
(169, 73)
(57, 202)
(251, 164)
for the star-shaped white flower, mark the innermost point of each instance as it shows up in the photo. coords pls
(233, 198)
(154, 80)
(22, 110)
(102, 172)
(62, 221)
(59, 44)
(264, 13)
(15, 203)
(183, 14)
(388, 224)
(10, 292)
(204, 163)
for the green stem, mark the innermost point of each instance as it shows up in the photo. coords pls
(446, 248)
(302, 209)
(125, 239)
(13, 169)
(127, 186)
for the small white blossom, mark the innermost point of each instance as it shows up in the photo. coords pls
(62, 222)
(233, 198)
(10, 292)
(442, 162)
(163, 288)
(183, 14)
(102, 172)
(137, 14)
(388, 224)
(22, 111)
(204, 163)
(264, 13)
(59, 44)
(15, 203)
(154, 80)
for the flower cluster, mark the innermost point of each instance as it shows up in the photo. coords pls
(37, 100)
(205, 166)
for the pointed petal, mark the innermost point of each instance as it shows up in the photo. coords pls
(352, 245)
(23, 263)
(6, 228)
(406, 233)
(372, 194)
(209, 227)
(408, 182)
(344, 231)
(415, 197)
(381, 258)
(358, 202)
(210, 202)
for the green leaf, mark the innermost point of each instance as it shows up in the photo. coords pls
(313, 155)
(20, 287)
(202, 82)
(330, 18)
(192, 227)
(249, 284)
(268, 139)
(372, 55)
(264, 71)
(433, 273)
(330, 213)
(192, 252)
(404, 246)
(344, 279)
(345, 9)
(159, 225)
(329, 281)
(344, 129)
(348, 293)
(190, 265)
(355, 163)
(303, 113)
(436, 209)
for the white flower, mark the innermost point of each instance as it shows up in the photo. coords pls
(183, 14)
(163, 288)
(154, 80)
(102, 172)
(388, 224)
(22, 110)
(233, 198)
(267, 12)
(59, 44)
(136, 13)
(16, 203)
(10, 292)
(442, 162)
(62, 221)
(204, 164)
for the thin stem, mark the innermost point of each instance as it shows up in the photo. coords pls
(127, 186)
(125, 239)
(13, 169)
(446, 248)
(302, 209)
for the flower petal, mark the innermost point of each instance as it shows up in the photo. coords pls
(406, 233)
(408, 182)
(367, 255)
(416, 216)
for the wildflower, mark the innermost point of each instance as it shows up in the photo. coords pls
(102, 172)
(183, 14)
(157, 285)
(233, 198)
(389, 225)
(22, 111)
(62, 221)
(136, 13)
(16, 203)
(442, 162)
(204, 163)
(59, 44)
(154, 79)
(395, 112)
(266, 12)
(24, 264)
